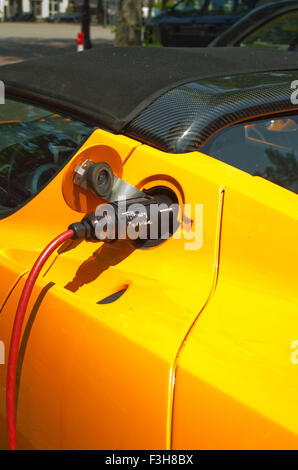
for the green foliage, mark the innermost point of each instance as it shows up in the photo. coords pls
(168, 5)
(135, 25)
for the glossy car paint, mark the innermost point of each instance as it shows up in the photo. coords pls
(101, 376)
(236, 382)
(195, 353)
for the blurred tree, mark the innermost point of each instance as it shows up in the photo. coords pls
(150, 8)
(100, 12)
(86, 24)
(129, 26)
(19, 7)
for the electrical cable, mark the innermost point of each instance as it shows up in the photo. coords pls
(17, 332)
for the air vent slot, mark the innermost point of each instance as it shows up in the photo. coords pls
(113, 297)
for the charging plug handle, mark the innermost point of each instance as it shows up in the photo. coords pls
(146, 214)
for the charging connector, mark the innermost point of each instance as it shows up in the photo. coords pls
(138, 220)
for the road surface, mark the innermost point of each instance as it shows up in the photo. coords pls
(21, 41)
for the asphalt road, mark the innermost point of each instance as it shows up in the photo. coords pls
(21, 41)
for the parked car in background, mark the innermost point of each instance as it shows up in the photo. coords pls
(23, 17)
(68, 17)
(195, 22)
(273, 25)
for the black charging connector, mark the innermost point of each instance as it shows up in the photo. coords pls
(145, 221)
(144, 218)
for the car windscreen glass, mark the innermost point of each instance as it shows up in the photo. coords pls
(34, 145)
(244, 6)
(279, 33)
(225, 7)
(188, 7)
(211, 7)
(267, 148)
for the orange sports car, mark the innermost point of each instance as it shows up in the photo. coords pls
(127, 333)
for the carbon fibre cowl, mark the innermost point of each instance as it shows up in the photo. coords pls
(184, 118)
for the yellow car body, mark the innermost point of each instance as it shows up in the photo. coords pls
(198, 351)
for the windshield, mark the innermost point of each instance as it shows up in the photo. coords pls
(265, 148)
(279, 33)
(214, 7)
(34, 145)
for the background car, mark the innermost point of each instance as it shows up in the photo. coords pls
(172, 346)
(273, 25)
(195, 22)
(22, 17)
(68, 17)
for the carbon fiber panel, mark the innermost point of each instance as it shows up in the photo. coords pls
(183, 119)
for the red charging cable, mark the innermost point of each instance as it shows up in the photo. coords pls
(16, 335)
